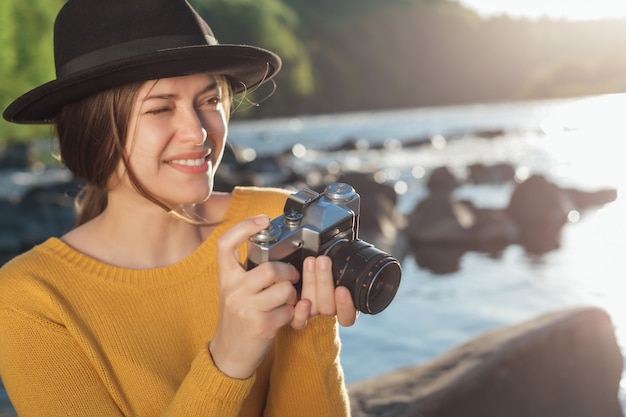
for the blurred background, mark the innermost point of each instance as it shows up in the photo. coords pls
(392, 95)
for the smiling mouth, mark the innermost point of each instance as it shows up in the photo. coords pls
(192, 162)
(189, 162)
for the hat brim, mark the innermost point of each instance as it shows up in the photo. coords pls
(244, 66)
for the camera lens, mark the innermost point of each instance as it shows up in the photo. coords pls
(371, 275)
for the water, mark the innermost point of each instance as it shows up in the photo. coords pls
(576, 142)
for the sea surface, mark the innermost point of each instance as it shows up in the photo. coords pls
(577, 143)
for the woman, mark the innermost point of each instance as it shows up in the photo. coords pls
(144, 308)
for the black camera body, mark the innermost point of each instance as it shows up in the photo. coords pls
(316, 224)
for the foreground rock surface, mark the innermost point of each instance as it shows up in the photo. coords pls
(566, 363)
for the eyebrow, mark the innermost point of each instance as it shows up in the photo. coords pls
(167, 96)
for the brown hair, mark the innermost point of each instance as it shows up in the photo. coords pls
(92, 136)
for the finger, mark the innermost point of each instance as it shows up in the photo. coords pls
(346, 312)
(301, 314)
(324, 286)
(228, 243)
(281, 316)
(278, 294)
(269, 273)
(308, 291)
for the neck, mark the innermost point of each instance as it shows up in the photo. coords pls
(137, 236)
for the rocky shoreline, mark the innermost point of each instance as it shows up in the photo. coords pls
(563, 364)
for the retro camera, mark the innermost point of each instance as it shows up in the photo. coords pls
(316, 224)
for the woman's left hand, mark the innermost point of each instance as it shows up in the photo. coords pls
(319, 296)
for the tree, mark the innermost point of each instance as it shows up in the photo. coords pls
(26, 56)
(269, 24)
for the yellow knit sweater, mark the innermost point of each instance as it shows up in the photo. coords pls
(82, 338)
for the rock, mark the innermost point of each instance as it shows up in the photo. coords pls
(262, 171)
(440, 219)
(480, 173)
(562, 364)
(582, 199)
(541, 209)
(489, 133)
(45, 208)
(442, 180)
(17, 155)
(439, 258)
(493, 227)
(441, 228)
(539, 206)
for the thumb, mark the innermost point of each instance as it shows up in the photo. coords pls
(228, 244)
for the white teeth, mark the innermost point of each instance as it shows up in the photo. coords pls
(189, 162)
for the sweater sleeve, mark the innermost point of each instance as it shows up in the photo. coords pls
(46, 373)
(306, 378)
(208, 392)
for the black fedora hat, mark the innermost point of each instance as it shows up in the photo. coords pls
(101, 44)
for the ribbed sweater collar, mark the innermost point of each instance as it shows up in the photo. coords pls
(197, 262)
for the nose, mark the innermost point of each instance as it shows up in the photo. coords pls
(192, 128)
(204, 136)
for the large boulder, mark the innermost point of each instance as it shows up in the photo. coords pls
(563, 364)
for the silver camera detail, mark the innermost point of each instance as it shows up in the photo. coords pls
(316, 224)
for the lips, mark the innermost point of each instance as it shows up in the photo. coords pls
(188, 162)
(191, 162)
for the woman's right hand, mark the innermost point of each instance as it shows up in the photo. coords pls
(254, 304)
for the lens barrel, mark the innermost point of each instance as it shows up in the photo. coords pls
(371, 275)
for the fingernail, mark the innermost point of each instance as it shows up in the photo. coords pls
(323, 263)
(309, 264)
(261, 220)
(344, 295)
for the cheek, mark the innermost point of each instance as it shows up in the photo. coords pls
(144, 149)
(141, 161)
(222, 145)
(215, 124)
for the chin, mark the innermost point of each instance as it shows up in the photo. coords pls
(187, 194)
(188, 200)
(201, 198)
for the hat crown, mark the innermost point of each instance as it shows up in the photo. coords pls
(90, 33)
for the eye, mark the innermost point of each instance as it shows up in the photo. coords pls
(159, 110)
(211, 102)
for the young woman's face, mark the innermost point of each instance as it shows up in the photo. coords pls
(176, 137)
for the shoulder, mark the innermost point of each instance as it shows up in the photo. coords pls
(27, 263)
(25, 281)
(244, 202)
(251, 201)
